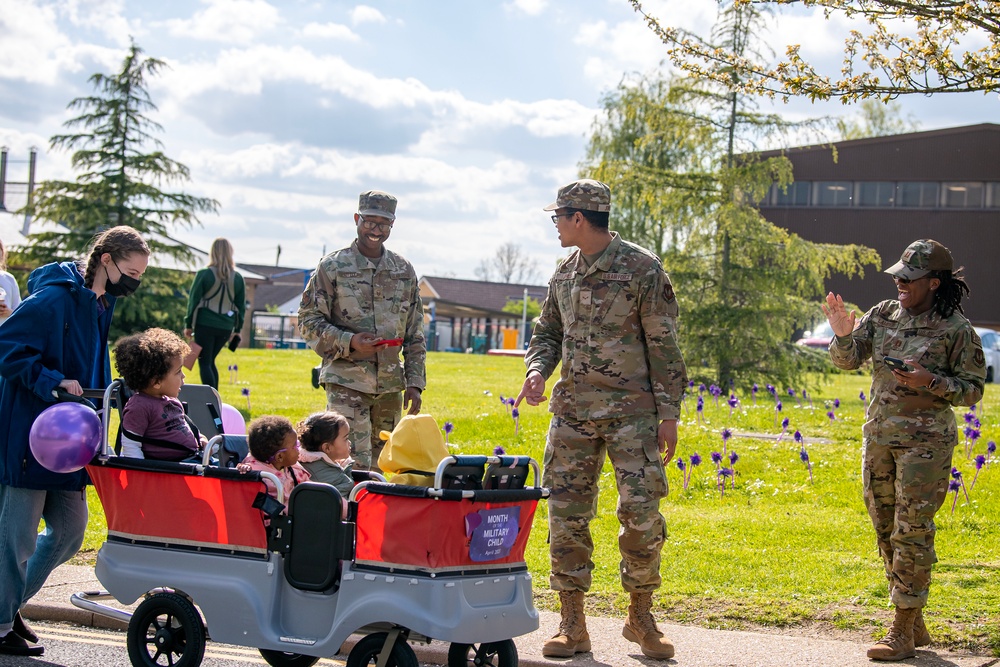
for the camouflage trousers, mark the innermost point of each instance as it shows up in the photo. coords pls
(903, 488)
(574, 456)
(368, 414)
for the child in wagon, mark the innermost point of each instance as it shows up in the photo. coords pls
(154, 425)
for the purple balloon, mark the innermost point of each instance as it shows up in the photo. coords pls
(232, 421)
(65, 437)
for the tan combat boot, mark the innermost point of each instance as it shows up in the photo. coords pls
(573, 637)
(898, 642)
(640, 627)
(920, 635)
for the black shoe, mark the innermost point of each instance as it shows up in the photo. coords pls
(14, 644)
(22, 629)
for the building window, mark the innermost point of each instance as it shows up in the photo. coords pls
(963, 195)
(797, 194)
(834, 193)
(917, 193)
(876, 193)
(992, 195)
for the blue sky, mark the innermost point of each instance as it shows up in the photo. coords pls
(471, 112)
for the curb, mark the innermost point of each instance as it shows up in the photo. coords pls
(435, 653)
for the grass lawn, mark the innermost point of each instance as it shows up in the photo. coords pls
(778, 551)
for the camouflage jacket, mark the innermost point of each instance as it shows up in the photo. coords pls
(613, 326)
(346, 296)
(949, 348)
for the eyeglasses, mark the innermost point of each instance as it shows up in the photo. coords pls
(384, 227)
(907, 281)
(283, 449)
(555, 218)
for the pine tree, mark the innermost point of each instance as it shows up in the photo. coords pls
(685, 155)
(120, 183)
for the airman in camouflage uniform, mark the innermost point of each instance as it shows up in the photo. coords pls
(610, 318)
(910, 432)
(358, 297)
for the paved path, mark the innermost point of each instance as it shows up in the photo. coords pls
(696, 647)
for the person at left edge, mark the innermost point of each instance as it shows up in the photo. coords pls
(358, 297)
(57, 337)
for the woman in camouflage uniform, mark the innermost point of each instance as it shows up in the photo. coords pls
(910, 432)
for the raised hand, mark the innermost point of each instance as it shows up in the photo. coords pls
(836, 313)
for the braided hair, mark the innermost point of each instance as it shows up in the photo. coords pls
(121, 242)
(949, 295)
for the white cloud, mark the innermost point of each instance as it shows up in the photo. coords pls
(529, 7)
(227, 21)
(104, 16)
(365, 14)
(330, 31)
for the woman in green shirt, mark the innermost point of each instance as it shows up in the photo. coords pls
(216, 307)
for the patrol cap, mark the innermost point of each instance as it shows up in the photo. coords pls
(920, 258)
(585, 194)
(375, 202)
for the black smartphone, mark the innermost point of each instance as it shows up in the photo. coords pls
(896, 364)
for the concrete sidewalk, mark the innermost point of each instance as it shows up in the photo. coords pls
(697, 647)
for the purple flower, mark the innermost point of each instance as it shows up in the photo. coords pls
(517, 422)
(716, 458)
(777, 406)
(511, 401)
(701, 404)
(771, 390)
(499, 451)
(991, 447)
(791, 392)
(980, 461)
(695, 459)
(448, 428)
(701, 387)
(969, 416)
(804, 455)
(733, 401)
(691, 384)
(831, 415)
(954, 485)
(956, 473)
(798, 436)
(754, 389)
(861, 395)
(726, 435)
(723, 473)
(733, 457)
(245, 391)
(784, 423)
(836, 403)
(680, 463)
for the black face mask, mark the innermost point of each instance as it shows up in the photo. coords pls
(125, 286)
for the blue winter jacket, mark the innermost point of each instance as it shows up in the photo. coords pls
(55, 333)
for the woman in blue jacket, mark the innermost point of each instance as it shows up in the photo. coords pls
(58, 337)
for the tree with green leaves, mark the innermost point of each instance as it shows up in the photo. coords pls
(122, 173)
(909, 46)
(516, 307)
(744, 284)
(876, 119)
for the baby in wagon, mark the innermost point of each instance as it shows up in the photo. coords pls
(154, 425)
(326, 452)
(413, 451)
(274, 448)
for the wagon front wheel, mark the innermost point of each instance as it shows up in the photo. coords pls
(166, 631)
(494, 654)
(366, 652)
(282, 659)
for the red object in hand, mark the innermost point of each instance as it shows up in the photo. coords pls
(392, 342)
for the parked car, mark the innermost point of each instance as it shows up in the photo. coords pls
(819, 338)
(991, 348)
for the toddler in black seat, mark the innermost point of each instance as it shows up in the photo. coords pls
(154, 425)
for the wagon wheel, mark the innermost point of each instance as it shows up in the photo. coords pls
(366, 652)
(166, 631)
(495, 654)
(282, 659)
